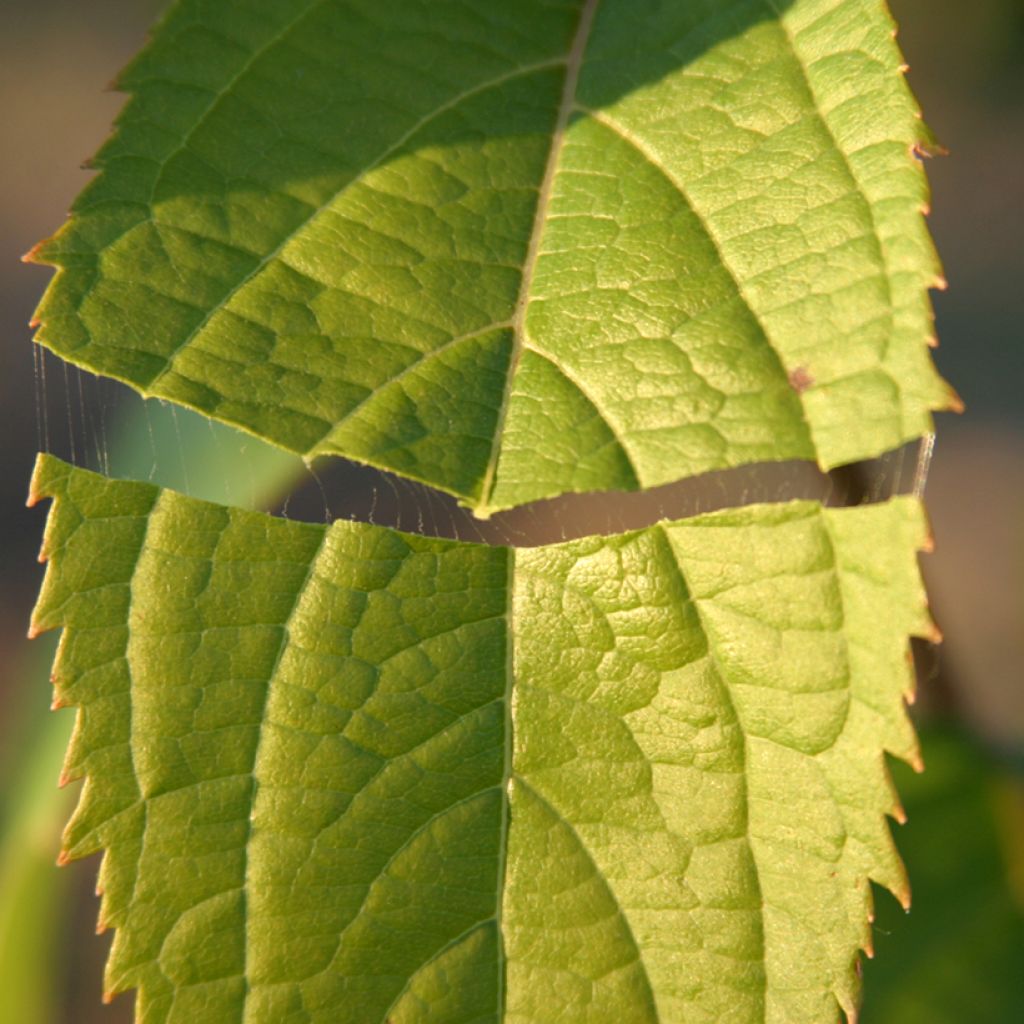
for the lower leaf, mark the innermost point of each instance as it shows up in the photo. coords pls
(344, 774)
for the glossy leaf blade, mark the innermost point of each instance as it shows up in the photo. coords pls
(520, 249)
(347, 774)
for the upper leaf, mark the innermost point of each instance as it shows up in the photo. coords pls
(515, 249)
(350, 776)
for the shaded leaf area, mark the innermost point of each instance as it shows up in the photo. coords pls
(515, 250)
(347, 774)
(957, 956)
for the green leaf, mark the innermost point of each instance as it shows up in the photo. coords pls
(516, 249)
(348, 774)
(35, 905)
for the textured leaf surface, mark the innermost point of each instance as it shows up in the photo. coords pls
(516, 249)
(347, 774)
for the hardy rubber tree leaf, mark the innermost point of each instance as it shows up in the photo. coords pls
(516, 249)
(344, 774)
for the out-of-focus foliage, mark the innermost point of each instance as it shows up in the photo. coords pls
(958, 956)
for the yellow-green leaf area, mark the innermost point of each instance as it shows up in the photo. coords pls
(345, 775)
(518, 249)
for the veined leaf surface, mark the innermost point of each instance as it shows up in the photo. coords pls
(516, 249)
(345, 774)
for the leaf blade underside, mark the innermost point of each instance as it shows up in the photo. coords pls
(520, 250)
(347, 774)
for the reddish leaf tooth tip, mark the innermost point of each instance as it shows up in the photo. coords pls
(63, 859)
(33, 631)
(925, 149)
(108, 998)
(101, 926)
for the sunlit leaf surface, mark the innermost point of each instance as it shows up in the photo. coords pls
(516, 249)
(344, 774)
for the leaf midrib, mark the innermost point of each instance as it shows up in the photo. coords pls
(566, 104)
(507, 774)
(286, 631)
(573, 63)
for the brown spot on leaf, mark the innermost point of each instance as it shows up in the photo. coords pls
(800, 379)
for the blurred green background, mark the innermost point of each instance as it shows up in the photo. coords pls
(959, 955)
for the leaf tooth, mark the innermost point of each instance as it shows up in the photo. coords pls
(33, 256)
(956, 403)
(927, 148)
